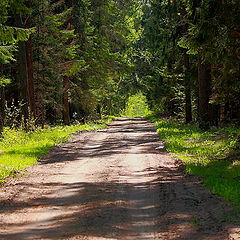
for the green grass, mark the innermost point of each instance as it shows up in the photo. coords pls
(137, 106)
(20, 149)
(194, 222)
(213, 155)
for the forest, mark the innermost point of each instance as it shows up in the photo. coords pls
(70, 60)
(120, 119)
(66, 60)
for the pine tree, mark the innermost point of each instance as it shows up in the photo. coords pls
(10, 36)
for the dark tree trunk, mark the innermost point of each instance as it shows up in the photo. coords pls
(2, 108)
(226, 111)
(187, 85)
(204, 86)
(66, 110)
(22, 70)
(99, 112)
(31, 96)
(29, 56)
(42, 114)
(2, 103)
(187, 90)
(66, 81)
(214, 114)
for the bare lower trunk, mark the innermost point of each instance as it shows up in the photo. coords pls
(31, 96)
(22, 71)
(204, 86)
(214, 114)
(2, 108)
(2, 103)
(188, 93)
(66, 110)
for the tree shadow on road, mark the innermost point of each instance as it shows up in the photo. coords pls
(175, 207)
(164, 204)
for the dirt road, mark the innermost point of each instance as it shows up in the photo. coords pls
(112, 184)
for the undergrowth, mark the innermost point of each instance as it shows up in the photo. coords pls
(214, 155)
(20, 149)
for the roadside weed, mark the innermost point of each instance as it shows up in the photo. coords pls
(20, 149)
(214, 155)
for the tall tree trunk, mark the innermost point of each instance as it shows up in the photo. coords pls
(29, 56)
(187, 86)
(2, 103)
(187, 90)
(31, 95)
(22, 71)
(66, 110)
(204, 86)
(66, 81)
(2, 108)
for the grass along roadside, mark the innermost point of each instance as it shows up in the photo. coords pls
(20, 149)
(214, 155)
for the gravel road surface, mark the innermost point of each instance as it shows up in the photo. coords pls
(112, 184)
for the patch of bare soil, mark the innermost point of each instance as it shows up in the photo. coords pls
(112, 184)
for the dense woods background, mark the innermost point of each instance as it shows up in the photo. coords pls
(69, 60)
(66, 60)
(190, 59)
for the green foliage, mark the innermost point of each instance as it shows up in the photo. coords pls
(4, 81)
(6, 54)
(214, 35)
(76, 67)
(160, 65)
(137, 106)
(90, 42)
(199, 31)
(10, 35)
(213, 155)
(20, 149)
